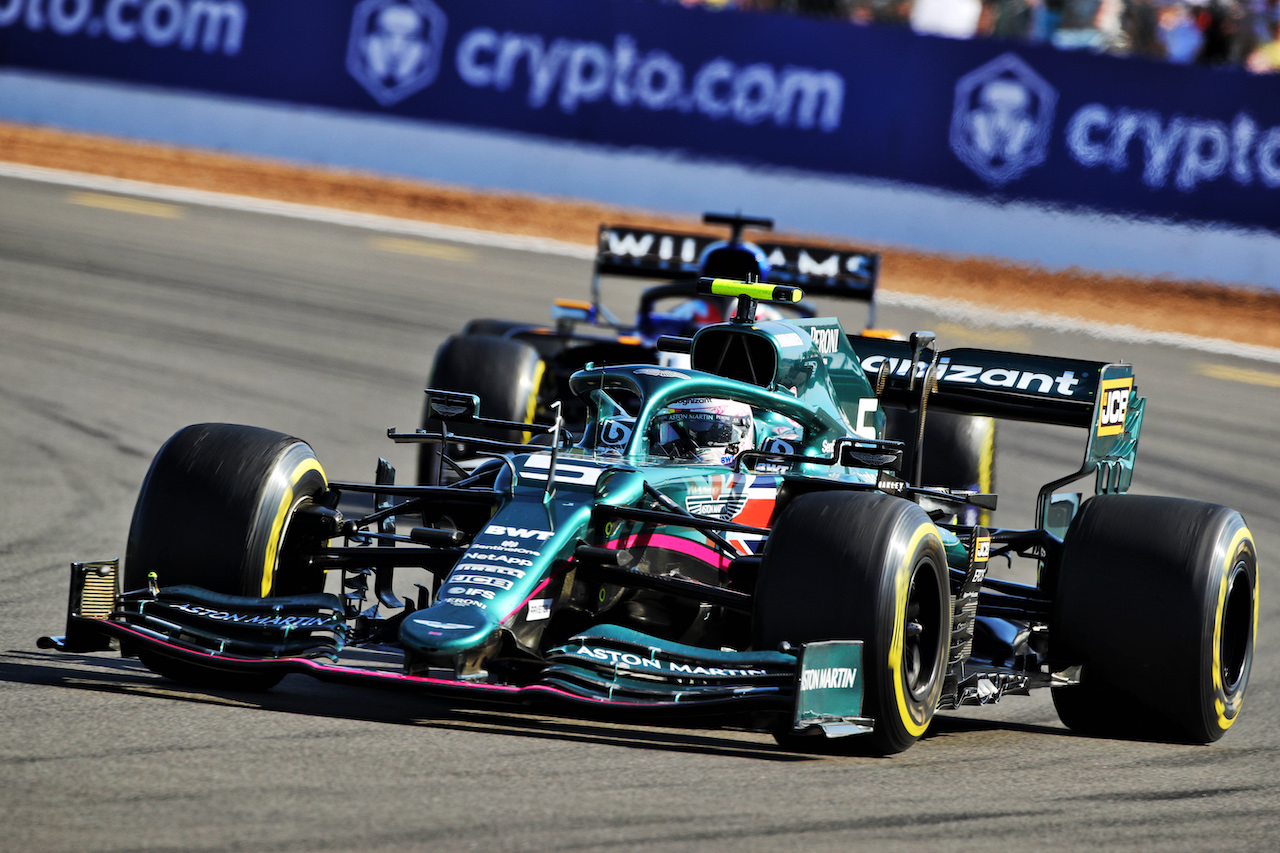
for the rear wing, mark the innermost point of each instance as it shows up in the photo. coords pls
(1014, 386)
(1099, 397)
(656, 253)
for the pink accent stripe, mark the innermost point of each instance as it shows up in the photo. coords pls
(675, 543)
(539, 588)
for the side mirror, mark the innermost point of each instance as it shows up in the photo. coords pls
(452, 405)
(567, 312)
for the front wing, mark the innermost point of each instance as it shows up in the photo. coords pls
(606, 671)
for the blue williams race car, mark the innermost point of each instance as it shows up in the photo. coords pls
(520, 369)
(733, 542)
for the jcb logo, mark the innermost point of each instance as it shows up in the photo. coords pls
(1113, 405)
(982, 549)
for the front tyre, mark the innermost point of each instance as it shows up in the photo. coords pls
(1157, 601)
(870, 567)
(216, 511)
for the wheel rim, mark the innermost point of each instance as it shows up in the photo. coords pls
(921, 643)
(1237, 628)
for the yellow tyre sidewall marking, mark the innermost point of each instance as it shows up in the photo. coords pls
(902, 583)
(531, 408)
(1227, 716)
(282, 517)
(985, 467)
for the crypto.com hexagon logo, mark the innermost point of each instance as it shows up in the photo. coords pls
(395, 47)
(1002, 119)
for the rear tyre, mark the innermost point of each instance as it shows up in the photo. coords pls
(490, 326)
(870, 567)
(506, 375)
(959, 452)
(215, 511)
(1157, 601)
(540, 338)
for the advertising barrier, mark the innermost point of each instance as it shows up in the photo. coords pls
(993, 120)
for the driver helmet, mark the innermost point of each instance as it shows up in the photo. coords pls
(702, 428)
(700, 312)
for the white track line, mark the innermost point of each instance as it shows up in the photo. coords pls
(981, 315)
(311, 213)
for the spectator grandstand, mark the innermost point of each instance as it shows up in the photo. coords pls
(1240, 33)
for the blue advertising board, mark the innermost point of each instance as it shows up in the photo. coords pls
(994, 120)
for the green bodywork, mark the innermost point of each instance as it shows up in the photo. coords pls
(510, 576)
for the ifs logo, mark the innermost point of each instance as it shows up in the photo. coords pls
(395, 47)
(1002, 119)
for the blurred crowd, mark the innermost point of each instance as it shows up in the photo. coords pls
(1204, 32)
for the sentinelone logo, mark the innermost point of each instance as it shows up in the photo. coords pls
(395, 46)
(1003, 118)
(209, 25)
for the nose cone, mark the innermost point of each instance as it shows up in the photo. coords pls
(443, 630)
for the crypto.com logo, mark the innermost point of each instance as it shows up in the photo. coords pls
(1002, 119)
(395, 47)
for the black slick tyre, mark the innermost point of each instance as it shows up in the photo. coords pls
(1156, 600)
(506, 375)
(215, 511)
(870, 567)
(540, 338)
(959, 451)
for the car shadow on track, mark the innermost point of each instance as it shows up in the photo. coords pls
(298, 694)
(945, 725)
(301, 695)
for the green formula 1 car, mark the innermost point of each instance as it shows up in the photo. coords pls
(732, 542)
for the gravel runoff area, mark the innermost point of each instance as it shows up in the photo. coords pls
(1193, 308)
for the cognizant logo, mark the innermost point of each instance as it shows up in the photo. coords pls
(212, 26)
(568, 73)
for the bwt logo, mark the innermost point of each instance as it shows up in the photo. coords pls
(395, 47)
(1002, 119)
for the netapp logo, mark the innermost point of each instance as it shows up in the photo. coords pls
(395, 46)
(1002, 119)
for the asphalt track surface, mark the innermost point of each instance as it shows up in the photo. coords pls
(123, 320)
